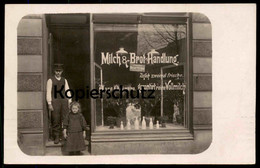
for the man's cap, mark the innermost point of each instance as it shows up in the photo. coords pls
(58, 66)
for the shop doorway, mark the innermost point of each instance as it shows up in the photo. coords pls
(69, 45)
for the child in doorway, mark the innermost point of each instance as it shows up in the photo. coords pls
(74, 132)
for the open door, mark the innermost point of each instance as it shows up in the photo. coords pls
(69, 44)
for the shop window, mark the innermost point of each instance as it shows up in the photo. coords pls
(152, 56)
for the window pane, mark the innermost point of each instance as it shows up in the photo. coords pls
(135, 56)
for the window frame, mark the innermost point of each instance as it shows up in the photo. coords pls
(146, 18)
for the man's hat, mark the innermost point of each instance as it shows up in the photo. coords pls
(58, 66)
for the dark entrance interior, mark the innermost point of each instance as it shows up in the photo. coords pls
(69, 44)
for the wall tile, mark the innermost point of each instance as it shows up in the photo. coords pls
(202, 65)
(30, 27)
(201, 83)
(199, 17)
(30, 63)
(29, 82)
(29, 46)
(202, 48)
(201, 31)
(202, 99)
(30, 100)
(202, 116)
(29, 119)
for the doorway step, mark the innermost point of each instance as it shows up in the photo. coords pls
(56, 150)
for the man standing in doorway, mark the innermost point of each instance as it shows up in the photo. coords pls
(59, 106)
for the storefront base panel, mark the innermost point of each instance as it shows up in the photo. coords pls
(202, 140)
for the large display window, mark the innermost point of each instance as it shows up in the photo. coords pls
(132, 57)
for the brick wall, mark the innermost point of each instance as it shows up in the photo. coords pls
(202, 70)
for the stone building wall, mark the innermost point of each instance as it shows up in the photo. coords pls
(30, 91)
(202, 70)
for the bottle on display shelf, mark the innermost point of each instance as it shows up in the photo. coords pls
(157, 124)
(151, 123)
(136, 123)
(122, 125)
(143, 123)
(128, 125)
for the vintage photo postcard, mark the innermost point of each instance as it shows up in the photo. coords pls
(130, 84)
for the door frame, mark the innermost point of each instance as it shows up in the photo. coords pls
(49, 59)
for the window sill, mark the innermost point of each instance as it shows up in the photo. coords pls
(141, 135)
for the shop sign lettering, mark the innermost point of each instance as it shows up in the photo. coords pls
(132, 58)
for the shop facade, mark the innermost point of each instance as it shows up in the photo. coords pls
(168, 53)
